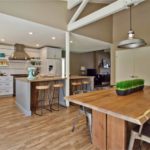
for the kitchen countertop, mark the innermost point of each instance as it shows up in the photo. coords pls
(46, 78)
(39, 79)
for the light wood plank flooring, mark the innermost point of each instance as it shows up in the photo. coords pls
(49, 132)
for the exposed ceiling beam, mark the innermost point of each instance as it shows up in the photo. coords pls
(79, 10)
(102, 13)
(73, 3)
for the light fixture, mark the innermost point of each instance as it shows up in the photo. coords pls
(71, 41)
(2, 40)
(37, 45)
(131, 42)
(30, 33)
(53, 38)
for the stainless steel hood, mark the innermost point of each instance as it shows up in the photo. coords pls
(19, 53)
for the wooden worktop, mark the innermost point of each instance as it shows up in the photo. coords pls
(75, 77)
(39, 79)
(129, 108)
(46, 78)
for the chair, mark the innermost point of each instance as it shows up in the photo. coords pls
(76, 87)
(86, 86)
(141, 133)
(57, 87)
(42, 95)
(83, 110)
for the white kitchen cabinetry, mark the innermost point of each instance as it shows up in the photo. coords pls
(6, 85)
(48, 53)
(133, 63)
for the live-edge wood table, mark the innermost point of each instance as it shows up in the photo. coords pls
(111, 114)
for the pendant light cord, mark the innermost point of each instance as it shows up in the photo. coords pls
(130, 18)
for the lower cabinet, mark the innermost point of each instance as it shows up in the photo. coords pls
(6, 85)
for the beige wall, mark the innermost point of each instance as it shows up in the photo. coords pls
(101, 29)
(141, 22)
(48, 12)
(141, 26)
(81, 59)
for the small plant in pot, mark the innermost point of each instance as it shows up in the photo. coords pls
(129, 86)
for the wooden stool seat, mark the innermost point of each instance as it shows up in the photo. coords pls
(76, 83)
(42, 87)
(85, 82)
(59, 85)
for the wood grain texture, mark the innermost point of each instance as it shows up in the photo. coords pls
(128, 108)
(116, 134)
(52, 131)
(99, 130)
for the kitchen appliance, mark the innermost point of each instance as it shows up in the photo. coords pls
(32, 72)
(52, 67)
(19, 53)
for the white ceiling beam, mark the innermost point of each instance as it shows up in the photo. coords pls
(79, 10)
(102, 13)
(73, 3)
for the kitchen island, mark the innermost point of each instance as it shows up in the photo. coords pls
(26, 94)
(111, 113)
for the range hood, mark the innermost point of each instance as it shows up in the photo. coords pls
(19, 53)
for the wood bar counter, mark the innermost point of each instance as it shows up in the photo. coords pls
(26, 94)
(111, 114)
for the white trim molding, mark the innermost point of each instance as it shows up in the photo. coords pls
(108, 10)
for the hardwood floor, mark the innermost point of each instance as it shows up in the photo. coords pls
(52, 131)
(49, 132)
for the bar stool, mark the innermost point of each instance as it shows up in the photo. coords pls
(76, 87)
(42, 95)
(57, 87)
(85, 85)
(141, 133)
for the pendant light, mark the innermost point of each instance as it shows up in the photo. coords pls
(131, 42)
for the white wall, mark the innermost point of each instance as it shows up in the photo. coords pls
(19, 67)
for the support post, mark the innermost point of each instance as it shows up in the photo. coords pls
(67, 87)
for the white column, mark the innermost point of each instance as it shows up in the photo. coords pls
(67, 90)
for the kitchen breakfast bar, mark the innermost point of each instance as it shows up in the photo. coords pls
(111, 115)
(26, 93)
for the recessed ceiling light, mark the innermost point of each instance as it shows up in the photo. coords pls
(53, 38)
(2, 40)
(37, 45)
(30, 33)
(71, 41)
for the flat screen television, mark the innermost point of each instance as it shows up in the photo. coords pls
(91, 72)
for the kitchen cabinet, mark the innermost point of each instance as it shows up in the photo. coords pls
(133, 63)
(48, 53)
(6, 85)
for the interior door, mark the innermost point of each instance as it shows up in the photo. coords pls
(124, 65)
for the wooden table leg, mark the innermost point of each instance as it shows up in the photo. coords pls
(116, 133)
(99, 130)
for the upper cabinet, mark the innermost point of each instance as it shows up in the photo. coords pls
(48, 53)
(133, 63)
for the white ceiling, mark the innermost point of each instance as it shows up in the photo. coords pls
(15, 30)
